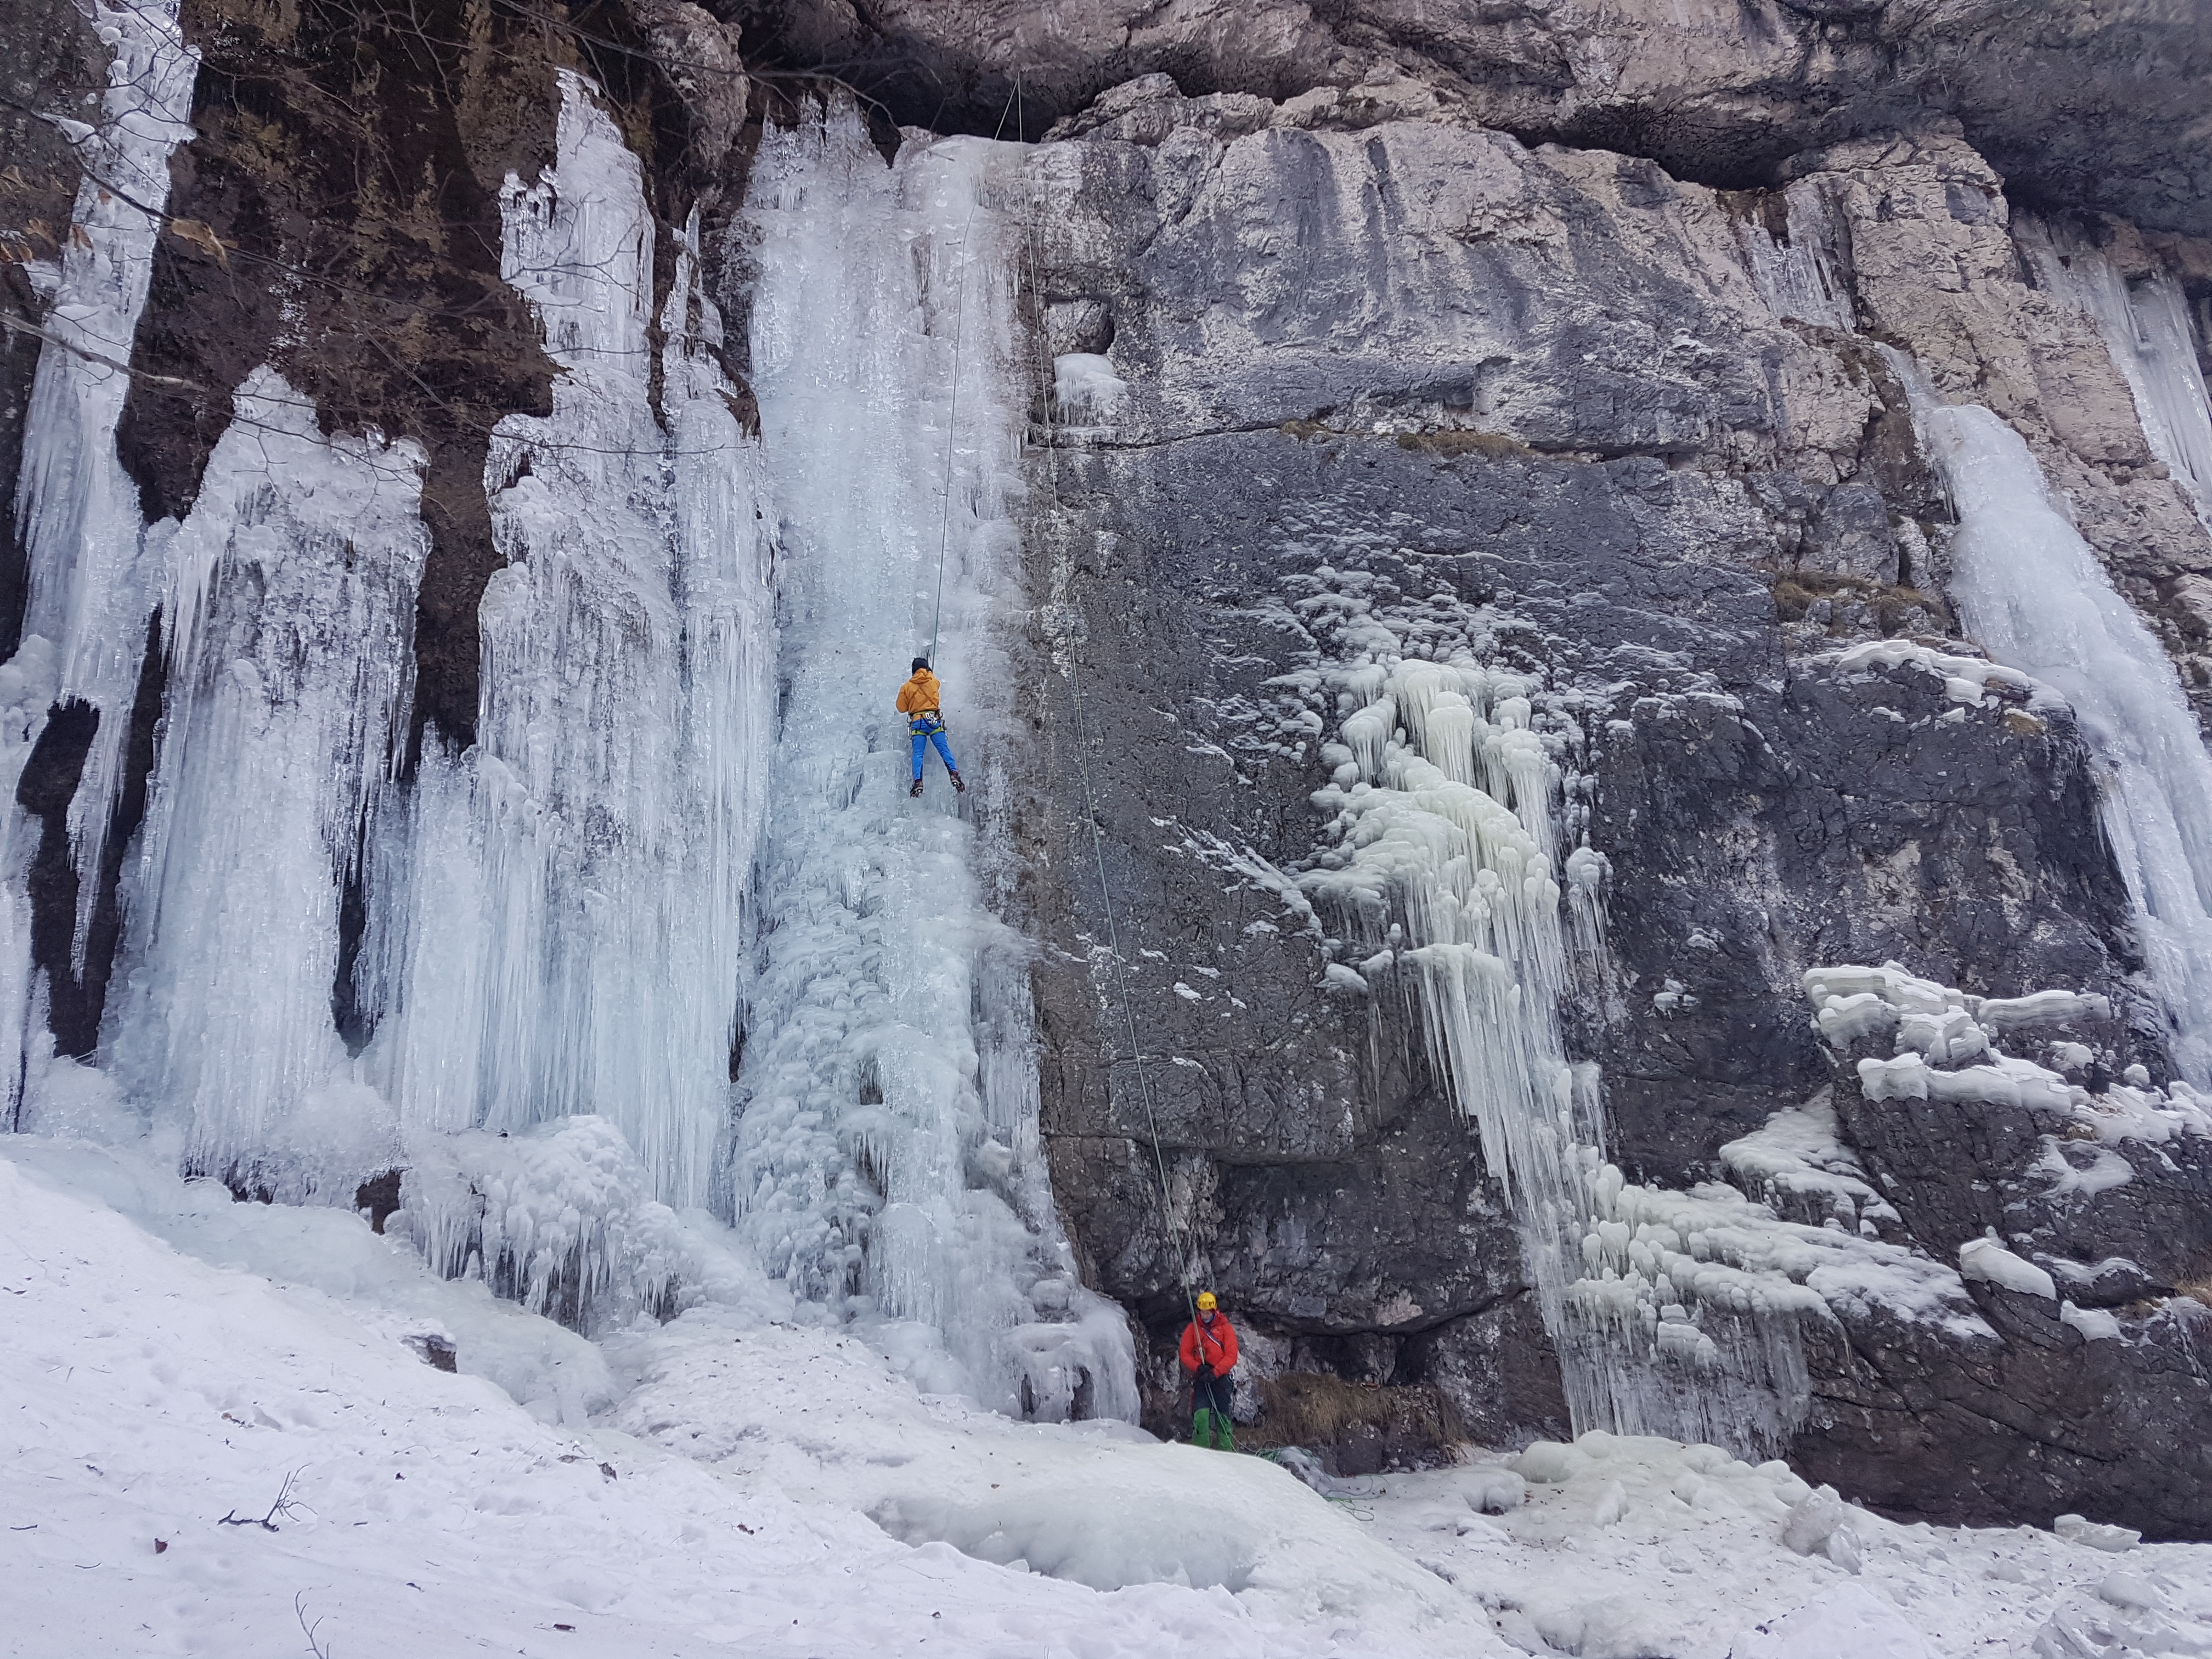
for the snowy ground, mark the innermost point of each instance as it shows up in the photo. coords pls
(742, 1482)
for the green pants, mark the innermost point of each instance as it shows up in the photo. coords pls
(1211, 1424)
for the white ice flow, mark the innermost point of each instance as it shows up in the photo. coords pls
(887, 1160)
(93, 584)
(1672, 1313)
(752, 1484)
(1439, 866)
(289, 623)
(2145, 326)
(559, 927)
(559, 920)
(2034, 595)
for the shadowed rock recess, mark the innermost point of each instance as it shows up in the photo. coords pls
(1579, 355)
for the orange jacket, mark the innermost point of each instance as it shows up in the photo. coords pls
(919, 695)
(1214, 1345)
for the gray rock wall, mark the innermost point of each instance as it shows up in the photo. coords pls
(2084, 106)
(1542, 393)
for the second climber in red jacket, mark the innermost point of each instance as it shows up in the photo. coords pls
(1209, 1354)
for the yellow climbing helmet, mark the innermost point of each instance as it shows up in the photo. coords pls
(1206, 1301)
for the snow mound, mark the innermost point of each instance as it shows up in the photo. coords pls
(1845, 1623)
(1171, 1515)
(555, 1374)
(724, 1502)
(1987, 1259)
(560, 1217)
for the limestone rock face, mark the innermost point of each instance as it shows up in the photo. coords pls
(2086, 106)
(1625, 428)
(2106, 1209)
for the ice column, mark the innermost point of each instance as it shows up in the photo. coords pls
(84, 632)
(1447, 805)
(291, 603)
(887, 1162)
(93, 585)
(2145, 326)
(2038, 600)
(563, 917)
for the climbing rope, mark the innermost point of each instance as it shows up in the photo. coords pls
(1176, 1244)
(1090, 807)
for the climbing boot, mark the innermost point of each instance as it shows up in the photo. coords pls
(1201, 1427)
(917, 791)
(957, 785)
(1225, 1432)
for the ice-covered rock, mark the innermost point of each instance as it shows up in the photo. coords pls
(1497, 1491)
(2130, 1590)
(1612, 1505)
(1813, 1519)
(2095, 1534)
(1986, 1260)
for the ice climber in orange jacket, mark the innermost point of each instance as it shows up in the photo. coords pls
(918, 700)
(1209, 1354)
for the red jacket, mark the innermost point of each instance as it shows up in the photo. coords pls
(1214, 1345)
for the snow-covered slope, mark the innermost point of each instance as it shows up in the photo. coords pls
(488, 818)
(766, 1485)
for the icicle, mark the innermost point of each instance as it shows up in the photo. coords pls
(561, 926)
(1650, 1338)
(93, 585)
(1796, 276)
(2145, 326)
(292, 673)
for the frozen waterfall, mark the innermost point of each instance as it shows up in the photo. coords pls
(670, 932)
(887, 1156)
(2031, 591)
(561, 923)
(94, 578)
(291, 606)
(1672, 1313)
(2144, 324)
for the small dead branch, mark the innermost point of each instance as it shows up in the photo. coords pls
(321, 1649)
(286, 1505)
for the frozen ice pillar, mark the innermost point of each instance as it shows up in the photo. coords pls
(291, 609)
(93, 581)
(2031, 591)
(561, 925)
(887, 1162)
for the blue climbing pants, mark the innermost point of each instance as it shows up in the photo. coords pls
(928, 729)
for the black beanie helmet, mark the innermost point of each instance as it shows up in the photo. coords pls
(921, 662)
